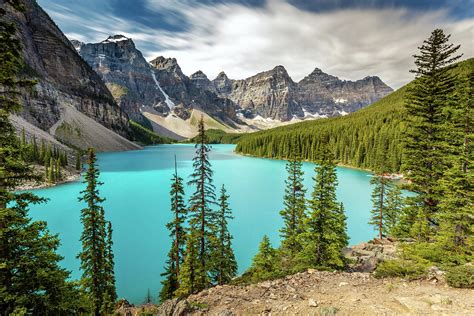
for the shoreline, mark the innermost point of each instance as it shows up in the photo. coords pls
(391, 176)
(34, 185)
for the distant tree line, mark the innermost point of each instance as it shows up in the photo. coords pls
(53, 159)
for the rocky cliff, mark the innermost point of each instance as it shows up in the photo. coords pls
(65, 84)
(126, 73)
(157, 90)
(273, 94)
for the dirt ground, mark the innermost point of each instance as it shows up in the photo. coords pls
(341, 293)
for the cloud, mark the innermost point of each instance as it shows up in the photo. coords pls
(243, 40)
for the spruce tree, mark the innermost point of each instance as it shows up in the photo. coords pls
(223, 258)
(109, 270)
(456, 216)
(265, 264)
(294, 216)
(326, 232)
(424, 158)
(93, 238)
(78, 160)
(178, 236)
(190, 267)
(31, 280)
(379, 204)
(393, 209)
(202, 216)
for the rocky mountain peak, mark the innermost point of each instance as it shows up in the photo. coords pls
(168, 64)
(222, 84)
(319, 76)
(77, 44)
(116, 39)
(221, 76)
(199, 75)
(280, 70)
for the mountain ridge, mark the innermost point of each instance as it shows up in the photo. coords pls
(264, 100)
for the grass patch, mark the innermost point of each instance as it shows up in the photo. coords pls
(328, 311)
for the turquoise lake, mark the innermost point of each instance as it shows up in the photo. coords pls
(136, 188)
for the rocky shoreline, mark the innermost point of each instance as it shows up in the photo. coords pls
(69, 176)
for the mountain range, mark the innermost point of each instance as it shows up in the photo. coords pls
(159, 89)
(86, 93)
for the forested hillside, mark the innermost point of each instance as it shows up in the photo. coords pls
(369, 138)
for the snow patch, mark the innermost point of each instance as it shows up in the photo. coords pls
(101, 58)
(343, 112)
(116, 39)
(310, 115)
(340, 100)
(267, 120)
(168, 101)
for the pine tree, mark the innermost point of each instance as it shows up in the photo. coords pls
(57, 175)
(78, 161)
(294, 216)
(148, 299)
(31, 280)
(326, 234)
(265, 264)
(109, 269)
(224, 263)
(456, 216)
(426, 100)
(379, 204)
(190, 267)
(93, 238)
(393, 209)
(178, 236)
(202, 216)
(51, 171)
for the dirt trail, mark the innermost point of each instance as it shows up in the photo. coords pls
(341, 293)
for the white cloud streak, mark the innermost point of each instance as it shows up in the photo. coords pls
(242, 40)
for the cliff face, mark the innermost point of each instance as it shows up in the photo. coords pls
(194, 92)
(64, 80)
(325, 94)
(273, 94)
(269, 94)
(126, 73)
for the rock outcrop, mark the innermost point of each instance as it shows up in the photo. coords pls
(64, 80)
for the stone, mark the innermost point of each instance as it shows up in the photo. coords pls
(435, 275)
(343, 284)
(312, 303)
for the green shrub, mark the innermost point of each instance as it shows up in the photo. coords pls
(401, 268)
(328, 311)
(461, 276)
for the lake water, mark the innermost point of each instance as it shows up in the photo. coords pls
(136, 188)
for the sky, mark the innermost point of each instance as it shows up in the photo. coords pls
(350, 39)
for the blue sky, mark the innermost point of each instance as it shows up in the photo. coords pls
(347, 38)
